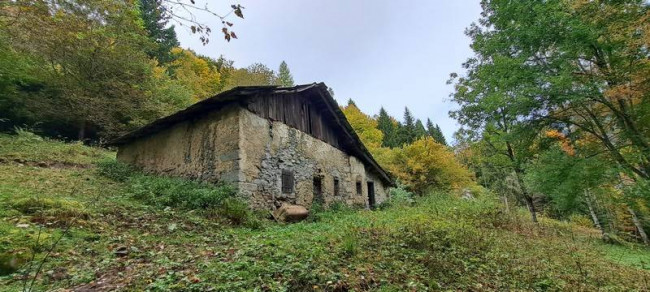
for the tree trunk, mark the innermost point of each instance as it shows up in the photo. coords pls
(530, 202)
(594, 216)
(639, 226)
(505, 201)
(82, 131)
(531, 207)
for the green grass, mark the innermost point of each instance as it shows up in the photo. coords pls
(436, 243)
(26, 147)
(631, 255)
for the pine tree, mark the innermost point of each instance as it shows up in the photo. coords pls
(440, 138)
(430, 128)
(435, 132)
(284, 75)
(386, 125)
(351, 102)
(419, 130)
(407, 130)
(155, 21)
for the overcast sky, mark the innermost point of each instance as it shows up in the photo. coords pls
(379, 53)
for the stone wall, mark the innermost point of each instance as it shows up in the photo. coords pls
(269, 147)
(205, 149)
(235, 145)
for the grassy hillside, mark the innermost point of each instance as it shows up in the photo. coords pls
(106, 228)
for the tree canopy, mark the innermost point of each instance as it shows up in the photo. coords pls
(554, 103)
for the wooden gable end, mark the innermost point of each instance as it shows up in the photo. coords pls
(297, 111)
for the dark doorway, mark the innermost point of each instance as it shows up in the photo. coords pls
(318, 191)
(371, 195)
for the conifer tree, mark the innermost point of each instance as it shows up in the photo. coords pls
(420, 131)
(155, 21)
(407, 130)
(386, 125)
(439, 137)
(435, 132)
(430, 128)
(284, 75)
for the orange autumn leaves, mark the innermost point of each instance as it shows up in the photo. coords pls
(564, 142)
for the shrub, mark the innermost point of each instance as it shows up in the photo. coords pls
(25, 135)
(581, 220)
(115, 170)
(339, 207)
(426, 165)
(235, 210)
(400, 196)
(162, 191)
(167, 191)
(178, 192)
(316, 212)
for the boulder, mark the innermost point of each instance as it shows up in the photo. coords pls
(290, 213)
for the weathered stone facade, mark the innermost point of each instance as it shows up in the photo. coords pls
(235, 145)
(206, 149)
(268, 147)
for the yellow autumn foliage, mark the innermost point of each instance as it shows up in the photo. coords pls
(365, 127)
(426, 164)
(195, 74)
(422, 166)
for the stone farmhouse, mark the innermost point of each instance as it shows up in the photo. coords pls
(276, 144)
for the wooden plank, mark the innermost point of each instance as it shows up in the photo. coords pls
(279, 109)
(300, 113)
(304, 117)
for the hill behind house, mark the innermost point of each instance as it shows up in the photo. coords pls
(70, 217)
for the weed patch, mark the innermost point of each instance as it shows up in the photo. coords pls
(51, 211)
(216, 200)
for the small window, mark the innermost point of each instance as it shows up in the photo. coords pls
(287, 181)
(359, 188)
(336, 186)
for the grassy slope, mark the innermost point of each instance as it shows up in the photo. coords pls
(442, 243)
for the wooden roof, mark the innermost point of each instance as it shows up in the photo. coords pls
(316, 92)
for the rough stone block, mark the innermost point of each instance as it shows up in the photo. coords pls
(290, 213)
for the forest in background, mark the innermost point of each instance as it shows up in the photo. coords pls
(94, 70)
(553, 106)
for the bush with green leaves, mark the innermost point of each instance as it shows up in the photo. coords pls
(219, 200)
(400, 195)
(115, 170)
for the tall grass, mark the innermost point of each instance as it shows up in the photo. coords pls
(217, 200)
